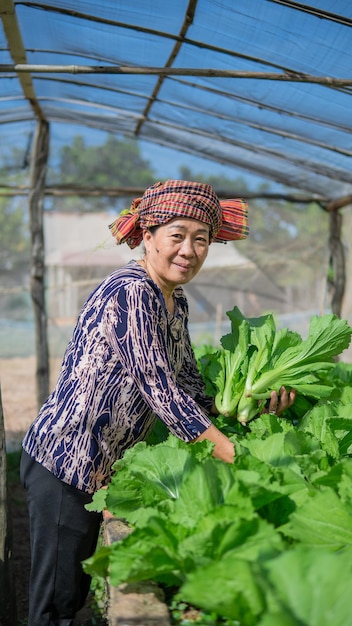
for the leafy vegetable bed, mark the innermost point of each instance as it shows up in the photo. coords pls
(264, 542)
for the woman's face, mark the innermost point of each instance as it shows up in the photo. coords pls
(176, 251)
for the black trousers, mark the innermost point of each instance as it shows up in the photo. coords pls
(62, 534)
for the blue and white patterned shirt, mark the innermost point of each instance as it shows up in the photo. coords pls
(128, 362)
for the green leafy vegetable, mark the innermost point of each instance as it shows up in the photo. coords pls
(311, 587)
(256, 359)
(224, 370)
(262, 541)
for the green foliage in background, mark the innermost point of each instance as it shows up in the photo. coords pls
(115, 163)
(14, 234)
(288, 241)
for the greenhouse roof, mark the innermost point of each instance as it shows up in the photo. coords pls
(263, 86)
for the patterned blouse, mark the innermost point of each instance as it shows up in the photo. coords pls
(129, 362)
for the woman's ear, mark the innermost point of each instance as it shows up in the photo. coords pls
(147, 236)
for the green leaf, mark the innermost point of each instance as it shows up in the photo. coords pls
(148, 553)
(262, 337)
(210, 368)
(98, 563)
(250, 539)
(228, 588)
(279, 619)
(311, 586)
(264, 488)
(342, 429)
(322, 520)
(217, 532)
(232, 368)
(331, 424)
(328, 336)
(200, 492)
(272, 450)
(98, 502)
(148, 475)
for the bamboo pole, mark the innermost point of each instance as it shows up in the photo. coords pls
(36, 195)
(18, 53)
(286, 76)
(92, 191)
(187, 22)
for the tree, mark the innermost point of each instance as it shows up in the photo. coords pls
(223, 183)
(288, 245)
(288, 241)
(14, 235)
(117, 162)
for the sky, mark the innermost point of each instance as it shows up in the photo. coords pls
(165, 162)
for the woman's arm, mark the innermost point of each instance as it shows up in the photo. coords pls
(224, 448)
(136, 328)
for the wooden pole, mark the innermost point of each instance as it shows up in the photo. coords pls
(8, 609)
(36, 196)
(91, 191)
(346, 309)
(337, 261)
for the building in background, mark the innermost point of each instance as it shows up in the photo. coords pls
(80, 252)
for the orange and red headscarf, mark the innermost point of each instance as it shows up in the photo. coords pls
(227, 219)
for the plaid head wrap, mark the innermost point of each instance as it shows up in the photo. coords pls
(227, 219)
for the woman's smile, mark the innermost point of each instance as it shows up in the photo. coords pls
(183, 268)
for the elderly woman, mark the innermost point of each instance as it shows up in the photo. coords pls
(129, 362)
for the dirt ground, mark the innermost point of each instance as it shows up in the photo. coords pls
(17, 378)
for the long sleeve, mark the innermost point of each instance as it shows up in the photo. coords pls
(138, 331)
(119, 372)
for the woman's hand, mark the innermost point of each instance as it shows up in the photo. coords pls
(224, 449)
(278, 403)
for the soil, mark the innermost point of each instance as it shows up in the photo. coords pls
(19, 406)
